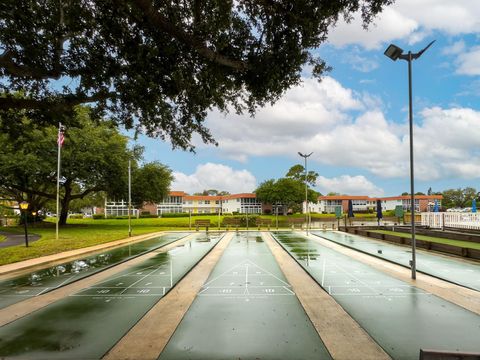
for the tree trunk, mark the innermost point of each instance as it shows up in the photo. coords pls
(64, 204)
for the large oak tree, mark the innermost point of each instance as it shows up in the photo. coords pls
(94, 159)
(160, 66)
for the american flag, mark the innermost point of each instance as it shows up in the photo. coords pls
(61, 136)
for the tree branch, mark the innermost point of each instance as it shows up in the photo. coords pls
(86, 192)
(156, 20)
(11, 68)
(57, 104)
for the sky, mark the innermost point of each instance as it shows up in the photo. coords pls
(355, 121)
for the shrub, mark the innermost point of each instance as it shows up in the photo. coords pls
(75, 216)
(98, 216)
(148, 215)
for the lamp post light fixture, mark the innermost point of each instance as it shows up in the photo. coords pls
(394, 53)
(305, 156)
(34, 214)
(24, 208)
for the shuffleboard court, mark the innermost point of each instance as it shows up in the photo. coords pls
(87, 324)
(42, 281)
(246, 310)
(401, 318)
(465, 273)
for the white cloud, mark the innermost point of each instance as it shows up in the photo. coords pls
(447, 144)
(455, 48)
(349, 129)
(469, 62)
(411, 20)
(351, 185)
(389, 25)
(360, 63)
(214, 176)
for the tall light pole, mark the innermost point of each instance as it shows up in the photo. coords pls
(394, 53)
(305, 156)
(24, 207)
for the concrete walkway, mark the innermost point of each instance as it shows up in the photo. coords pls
(16, 239)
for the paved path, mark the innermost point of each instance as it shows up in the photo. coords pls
(16, 239)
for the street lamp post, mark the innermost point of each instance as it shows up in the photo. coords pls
(394, 53)
(305, 156)
(24, 208)
(34, 214)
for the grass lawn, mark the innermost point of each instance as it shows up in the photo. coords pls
(465, 244)
(2, 238)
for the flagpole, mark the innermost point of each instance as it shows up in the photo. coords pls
(129, 198)
(59, 147)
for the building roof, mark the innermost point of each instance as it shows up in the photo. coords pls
(202, 197)
(212, 197)
(177, 193)
(344, 197)
(362, 197)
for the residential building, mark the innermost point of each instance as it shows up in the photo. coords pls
(181, 202)
(327, 204)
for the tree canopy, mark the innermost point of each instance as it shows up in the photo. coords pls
(297, 172)
(286, 191)
(94, 159)
(159, 67)
(459, 198)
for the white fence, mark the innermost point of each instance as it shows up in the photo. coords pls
(452, 219)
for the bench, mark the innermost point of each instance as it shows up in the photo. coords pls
(295, 221)
(204, 223)
(264, 222)
(229, 221)
(447, 355)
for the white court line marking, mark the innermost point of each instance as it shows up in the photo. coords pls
(288, 290)
(403, 295)
(137, 281)
(323, 271)
(246, 280)
(251, 286)
(249, 295)
(63, 282)
(361, 281)
(117, 287)
(44, 290)
(240, 264)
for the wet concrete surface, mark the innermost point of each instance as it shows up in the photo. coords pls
(246, 310)
(399, 317)
(87, 324)
(464, 273)
(42, 281)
